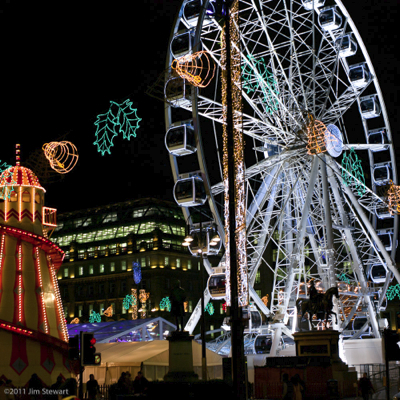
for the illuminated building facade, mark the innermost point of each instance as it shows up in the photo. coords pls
(103, 247)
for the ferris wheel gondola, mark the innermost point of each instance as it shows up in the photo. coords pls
(308, 214)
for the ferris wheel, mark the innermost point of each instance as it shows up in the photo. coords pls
(313, 120)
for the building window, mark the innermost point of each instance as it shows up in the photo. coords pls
(143, 262)
(91, 269)
(101, 268)
(90, 290)
(80, 311)
(190, 306)
(112, 287)
(81, 270)
(189, 264)
(178, 263)
(90, 309)
(198, 265)
(65, 311)
(26, 197)
(112, 267)
(123, 265)
(101, 288)
(66, 272)
(258, 277)
(101, 310)
(166, 261)
(258, 291)
(111, 217)
(123, 287)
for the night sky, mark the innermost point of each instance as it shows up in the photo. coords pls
(63, 62)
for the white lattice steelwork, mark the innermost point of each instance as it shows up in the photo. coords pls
(302, 220)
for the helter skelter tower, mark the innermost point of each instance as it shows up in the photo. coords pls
(33, 334)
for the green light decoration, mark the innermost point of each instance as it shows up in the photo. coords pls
(210, 308)
(6, 176)
(94, 317)
(128, 301)
(352, 164)
(165, 304)
(263, 80)
(342, 277)
(393, 291)
(120, 118)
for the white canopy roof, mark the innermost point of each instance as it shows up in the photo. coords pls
(154, 352)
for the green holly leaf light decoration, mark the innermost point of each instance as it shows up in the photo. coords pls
(393, 291)
(120, 118)
(260, 78)
(128, 301)
(351, 163)
(165, 304)
(210, 308)
(6, 176)
(94, 317)
(342, 277)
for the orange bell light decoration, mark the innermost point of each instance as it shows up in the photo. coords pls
(33, 332)
(393, 198)
(109, 312)
(62, 156)
(197, 68)
(318, 136)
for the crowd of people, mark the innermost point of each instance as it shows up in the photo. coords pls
(293, 388)
(127, 385)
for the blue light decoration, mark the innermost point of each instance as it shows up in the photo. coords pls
(393, 291)
(120, 118)
(263, 80)
(128, 301)
(210, 308)
(94, 317)
(352, 164)
(137, 272)
(165, 304)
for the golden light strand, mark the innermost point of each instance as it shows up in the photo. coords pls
(394, 199)
(39, 274)
(238, 161)
(59, 309)
(134, 303)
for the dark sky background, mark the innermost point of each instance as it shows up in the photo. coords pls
(62, 62)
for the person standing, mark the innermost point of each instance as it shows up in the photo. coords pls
(140, 384)
(92, 388)
(365, 387)
(287, 393)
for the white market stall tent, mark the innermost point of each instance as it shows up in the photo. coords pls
(151, 357)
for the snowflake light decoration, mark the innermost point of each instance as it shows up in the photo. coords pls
(137, 272)
(94, 317)
(352, 164)
(260, 79)
(165, 304)
(120, 118)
